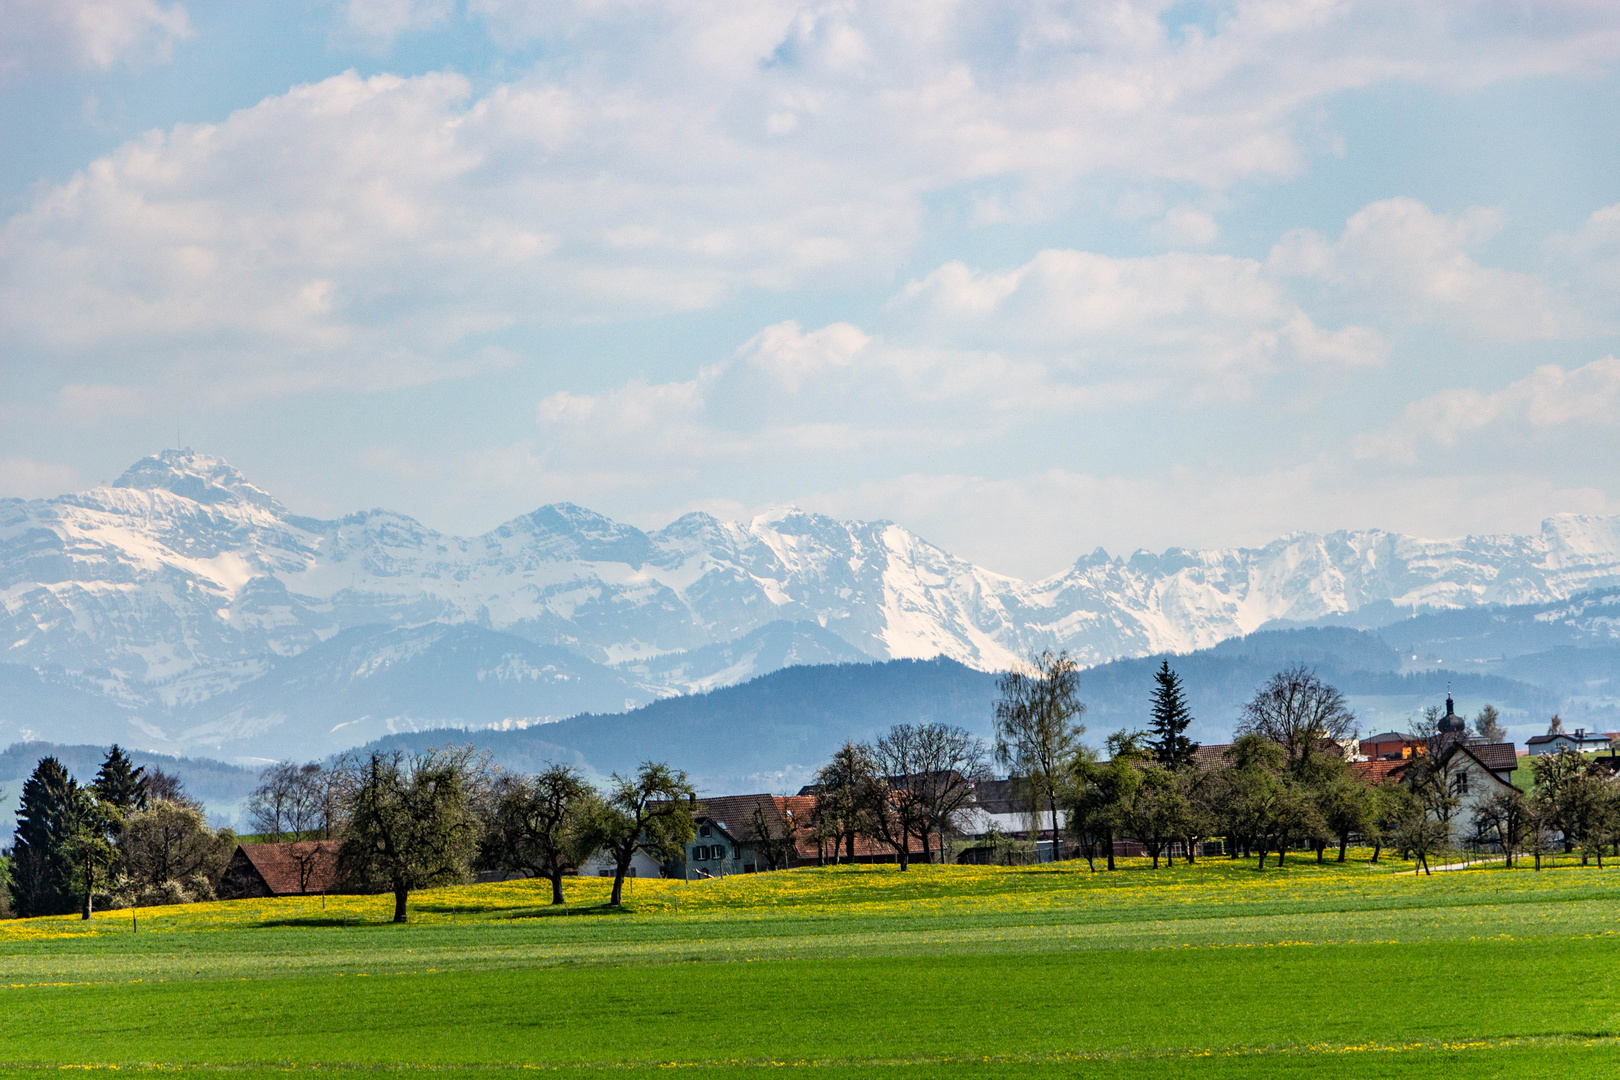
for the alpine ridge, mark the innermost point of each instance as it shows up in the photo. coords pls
(173, 595)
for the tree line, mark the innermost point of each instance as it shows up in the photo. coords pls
(128, 838)
(1284, 783)
(399, 822)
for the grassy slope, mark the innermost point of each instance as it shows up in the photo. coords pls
(942, 971)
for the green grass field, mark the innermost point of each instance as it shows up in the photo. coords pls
(1211, 970)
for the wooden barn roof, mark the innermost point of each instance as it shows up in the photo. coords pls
(277, 864)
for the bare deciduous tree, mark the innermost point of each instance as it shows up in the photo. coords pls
(1038, 731)
(1503, 818)
(895, 808)
(290, 803)
(949, 762)
(774, 836)
(844, 786)
(1299, 712)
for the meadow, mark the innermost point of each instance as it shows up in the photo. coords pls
(1208, 970)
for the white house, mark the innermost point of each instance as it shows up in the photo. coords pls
(1578, 741)
(601, 865)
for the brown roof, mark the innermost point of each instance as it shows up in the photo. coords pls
(1373, 773)
(1496, 756)
(735, 813)
(1211, 756)
(278, 864)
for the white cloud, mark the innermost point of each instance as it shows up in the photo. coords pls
(41, 35)
(1183, 322)
(1184, 226)
(1564, 404)
(1402, 260)
(665, 156)
(384, 20)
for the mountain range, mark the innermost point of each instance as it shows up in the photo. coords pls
(182, 609)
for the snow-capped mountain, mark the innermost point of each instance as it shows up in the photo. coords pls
(183, 589)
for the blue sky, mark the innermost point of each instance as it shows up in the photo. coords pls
(1027, 278)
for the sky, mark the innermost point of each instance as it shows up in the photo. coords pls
(1027, 278)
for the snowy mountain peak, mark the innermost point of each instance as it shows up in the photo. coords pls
(197, 477)
(187, 597)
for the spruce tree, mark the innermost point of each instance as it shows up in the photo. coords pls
(119, 784)
(1171, 747)
(40, 875)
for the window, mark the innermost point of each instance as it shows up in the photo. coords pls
(703, 831)
(700, 853)
(1462, 783)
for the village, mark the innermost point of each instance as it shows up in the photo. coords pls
(1444, 787)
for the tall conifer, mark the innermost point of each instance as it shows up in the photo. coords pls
(40, 882)
(1171, 747)
(119, 784)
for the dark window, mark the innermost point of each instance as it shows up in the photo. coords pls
(701, 853)
(703, 831)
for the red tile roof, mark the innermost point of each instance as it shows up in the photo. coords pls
(278, 865)
(1373, 773)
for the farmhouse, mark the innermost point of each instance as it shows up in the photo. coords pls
(258, 870)
(1578, 741)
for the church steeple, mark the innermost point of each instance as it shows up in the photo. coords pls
(1451, 722)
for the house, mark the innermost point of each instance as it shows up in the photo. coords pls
(601, 864)
(1578, 741)
(258, 870)
(1473, 772)
(1390, 746)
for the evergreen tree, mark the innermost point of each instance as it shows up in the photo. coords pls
(1488, 725)
(40, 875)
(119, 784)
(1171, 747)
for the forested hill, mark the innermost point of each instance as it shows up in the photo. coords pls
(767, 734)
(770, 733)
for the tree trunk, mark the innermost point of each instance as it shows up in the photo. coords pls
(1378, 846)
(1108, 838)
(1344, 840)
(399, 903)
(556, 887)
(1321, 849)
(1192, 845)
(1264, 853)
(927, 855)
(849, 846)
(618, 887)
(1057, 838)
(1538, 860)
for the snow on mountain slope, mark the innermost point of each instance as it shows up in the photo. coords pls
(183, 582)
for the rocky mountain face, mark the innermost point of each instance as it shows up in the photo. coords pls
(187, 605)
